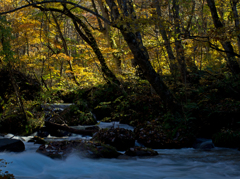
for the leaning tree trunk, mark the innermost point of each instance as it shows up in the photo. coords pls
(89, 39)
(92, 42)
(134, 41)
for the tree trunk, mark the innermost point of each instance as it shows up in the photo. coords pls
(89, 39)
(178, 42)
(64, 47)
(134, 41)
(92, 42)
(232, 63)
(108, 36)
(172, 59)
(236, 20)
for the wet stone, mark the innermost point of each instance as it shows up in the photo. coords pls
(61, 149)
(120, 138)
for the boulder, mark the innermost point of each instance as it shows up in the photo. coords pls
(62, 149)
(37, 140)
(49, 130)
(157, 137)
(203, 144)
(12, 145)
(120, 138)
(42, 132)
(206, 146)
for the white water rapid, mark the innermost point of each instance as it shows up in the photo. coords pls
(189, 163)
(169, 164)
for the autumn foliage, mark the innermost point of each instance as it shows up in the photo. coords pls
(180, 55)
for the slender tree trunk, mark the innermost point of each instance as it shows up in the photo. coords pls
(232, 63)
(64, 46)
(60, 60)
(172, 59)
(107, 33)
(178, 42)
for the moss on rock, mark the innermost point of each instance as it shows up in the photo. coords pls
(120, 138)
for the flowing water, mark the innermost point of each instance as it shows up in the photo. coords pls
(169, 164)
(186, 163)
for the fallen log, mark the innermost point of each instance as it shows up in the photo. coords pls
(55, 126)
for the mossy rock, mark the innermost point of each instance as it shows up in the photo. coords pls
(97, 150)
(74, 115)
(135, 108)
(120, 138)
(37, 140)
(61, 149)
(227, 138)
(157, 137)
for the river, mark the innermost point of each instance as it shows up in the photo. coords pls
(185, 163)
(188, 163)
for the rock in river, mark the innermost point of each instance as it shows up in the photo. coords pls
(61, 149)
(12, 145)
(120, 138)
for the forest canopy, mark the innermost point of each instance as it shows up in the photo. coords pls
(185, 53)
(55, 39)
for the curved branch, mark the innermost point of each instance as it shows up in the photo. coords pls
(216, 48)
(56, 1)
(94, 28)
